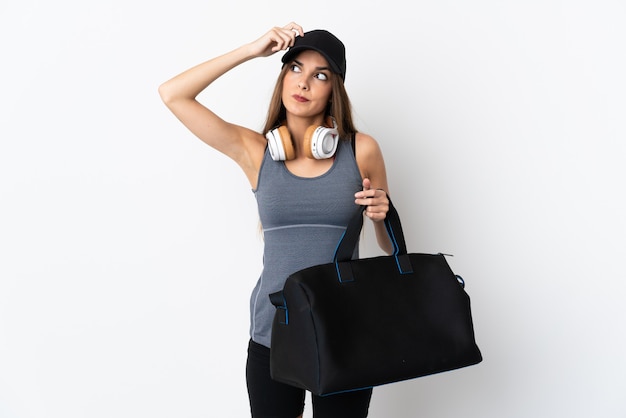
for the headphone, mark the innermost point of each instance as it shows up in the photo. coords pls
(320, 142)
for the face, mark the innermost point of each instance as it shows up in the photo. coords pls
(307, 85)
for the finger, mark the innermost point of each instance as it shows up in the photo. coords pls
(283, 39)
(367, 198)
(379, 211)
(288, 34)
(375, 215)
(292, 26)
(366, 192)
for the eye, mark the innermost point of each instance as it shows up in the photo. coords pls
(321, 76)
(295, 68)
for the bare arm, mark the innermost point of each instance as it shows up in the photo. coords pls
(374, 194)
(179, 94)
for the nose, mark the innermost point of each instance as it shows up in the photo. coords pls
(302, 84)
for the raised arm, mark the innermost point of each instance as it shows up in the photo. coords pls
(179, 94)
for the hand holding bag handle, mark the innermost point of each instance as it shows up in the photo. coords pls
(348, 242)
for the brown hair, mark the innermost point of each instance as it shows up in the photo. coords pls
(339, 106)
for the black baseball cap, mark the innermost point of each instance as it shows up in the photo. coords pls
(326, 44)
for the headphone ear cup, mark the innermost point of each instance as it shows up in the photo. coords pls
(308, 136)
(290, 152)
(280, 145)
(320, 142)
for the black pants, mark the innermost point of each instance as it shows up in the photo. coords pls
(271, 399)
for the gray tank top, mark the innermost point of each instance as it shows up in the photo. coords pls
(303, 220)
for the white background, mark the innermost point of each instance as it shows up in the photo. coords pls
(128, 248)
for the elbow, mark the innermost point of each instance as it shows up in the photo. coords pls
(165, 93)
(171, 95)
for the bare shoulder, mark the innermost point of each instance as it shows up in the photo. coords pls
(369, 158)
(367, 148)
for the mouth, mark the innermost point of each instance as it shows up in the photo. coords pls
(299, 98)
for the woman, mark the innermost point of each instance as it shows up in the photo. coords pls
(307, 169)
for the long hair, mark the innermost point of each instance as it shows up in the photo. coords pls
(339, 106)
